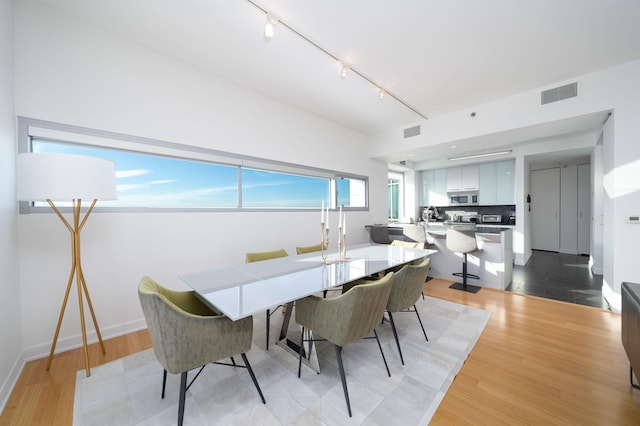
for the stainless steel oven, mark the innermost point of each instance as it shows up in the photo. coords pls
(463, 198)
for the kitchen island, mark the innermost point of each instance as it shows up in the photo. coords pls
(492, 262)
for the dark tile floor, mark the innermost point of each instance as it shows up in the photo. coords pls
(564, 277)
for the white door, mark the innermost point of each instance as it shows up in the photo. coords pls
(584, 209)
(569, 209)
(545, 209)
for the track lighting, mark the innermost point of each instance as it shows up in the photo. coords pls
(269, 31)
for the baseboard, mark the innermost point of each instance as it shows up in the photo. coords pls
(75, 341)
(7, 387)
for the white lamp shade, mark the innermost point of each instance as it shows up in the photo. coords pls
(65, 177)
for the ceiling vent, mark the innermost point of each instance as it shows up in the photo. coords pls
(559, 93)
(411, 131)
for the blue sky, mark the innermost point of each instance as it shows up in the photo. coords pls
(153, 181)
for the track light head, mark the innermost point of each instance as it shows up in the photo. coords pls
(269, 28)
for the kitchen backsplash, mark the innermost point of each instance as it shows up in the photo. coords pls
(508, 212)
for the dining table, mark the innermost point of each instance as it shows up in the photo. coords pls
(243, 290)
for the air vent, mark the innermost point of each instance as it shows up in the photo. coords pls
(559, 93)
(411, 131)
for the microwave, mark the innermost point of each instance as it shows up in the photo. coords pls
(463, 198)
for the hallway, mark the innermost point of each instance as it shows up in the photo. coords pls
(558, 276)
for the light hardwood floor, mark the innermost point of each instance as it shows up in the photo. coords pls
(538, 361)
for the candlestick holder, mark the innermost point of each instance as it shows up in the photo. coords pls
(342, 245)
(324, 240)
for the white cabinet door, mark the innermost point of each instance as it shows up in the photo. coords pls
(439, 193)
(569, 209)
(545, 209)
(470, 178)
(487, 195)
(505, 182)
(434, 188)
(454, 179)
(584, 209)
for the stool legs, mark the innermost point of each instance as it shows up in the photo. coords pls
(463, 285)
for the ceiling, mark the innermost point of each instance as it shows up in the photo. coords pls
(437, 56)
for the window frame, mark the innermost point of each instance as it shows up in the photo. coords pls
(29, 129)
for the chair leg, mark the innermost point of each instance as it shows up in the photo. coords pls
(420, 321)
(268, 326)
(253, 376)
(631, 378)
(395, 335)
(300, 350)
(164, 382)
(183, 391)
(342, 377)
(382, 353)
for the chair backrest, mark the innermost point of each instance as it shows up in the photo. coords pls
(379, 234)
(310, 249)
(416, 233)
(410, 244)
(461, 241)
(362, 311)
(265, 255)
(407, 286)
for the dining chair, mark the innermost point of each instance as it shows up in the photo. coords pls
(187, 334)
(345, 319)
(258, 257)
(405, 292)
(310, 249)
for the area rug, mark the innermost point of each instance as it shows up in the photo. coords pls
(127, 391)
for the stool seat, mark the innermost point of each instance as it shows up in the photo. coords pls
(463, 242)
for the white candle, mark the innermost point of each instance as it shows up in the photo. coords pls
(340, 217)
(322, 213)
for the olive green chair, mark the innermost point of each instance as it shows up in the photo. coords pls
(310, 249)
(406, 290)
(259, 257)
(345, 319)
(187, 334)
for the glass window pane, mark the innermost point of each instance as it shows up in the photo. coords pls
(351, 192)
(268, 189)
(394, 199)
(152, 181)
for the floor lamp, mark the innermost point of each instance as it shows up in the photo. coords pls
(63, 178)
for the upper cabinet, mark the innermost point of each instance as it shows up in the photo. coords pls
(462, 179)
(434, 188)
(497, 183)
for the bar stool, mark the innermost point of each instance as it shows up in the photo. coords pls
(463, 242)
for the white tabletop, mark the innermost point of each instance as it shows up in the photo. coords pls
(247, 289)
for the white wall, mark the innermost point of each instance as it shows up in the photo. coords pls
(10, 345)
(71, 73)
(616, 89)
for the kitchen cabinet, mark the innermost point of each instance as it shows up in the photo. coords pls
(462, 178)
(434, 188)
(505, 182)
(496, 183)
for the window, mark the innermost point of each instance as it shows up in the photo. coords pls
(160, 175)
(394, 188)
